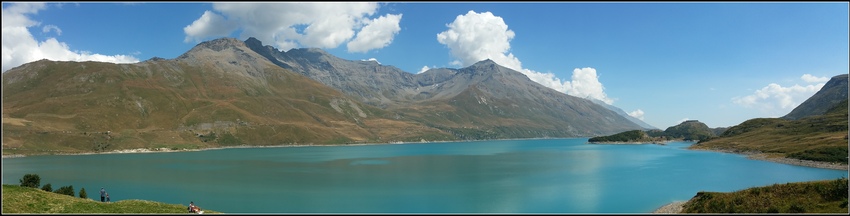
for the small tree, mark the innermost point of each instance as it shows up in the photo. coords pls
(67, 190)
(83, 193)
(31, 180)
(47, 187)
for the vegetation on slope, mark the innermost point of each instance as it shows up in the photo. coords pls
(828, 196)
(637, 136)
(76, 107)
(690, 130)
(818, 138)
(17, 199)
(687, 130)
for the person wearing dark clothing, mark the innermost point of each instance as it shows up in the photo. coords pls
(102, 195)
(192, 207)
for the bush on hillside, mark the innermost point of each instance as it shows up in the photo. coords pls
(31, 180)
(67, 190)
(83, 193)
(47, 187)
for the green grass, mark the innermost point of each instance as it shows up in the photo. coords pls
(17, 199)
(817, 138)
(829, 196)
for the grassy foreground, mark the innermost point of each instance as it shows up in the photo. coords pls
(17, 199)
(828, 196)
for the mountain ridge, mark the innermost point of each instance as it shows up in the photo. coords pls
(223, 92)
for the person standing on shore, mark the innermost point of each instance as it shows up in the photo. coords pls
(102, 195)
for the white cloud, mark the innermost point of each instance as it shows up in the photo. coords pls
(54, 28)
(586, 84)
(20, 47)
(473, 37)
(377, 33)
(813, 79)
(210, 24)
(775, 100)
(288, 25)
(638, 114)
(424, 68)
(683, 120)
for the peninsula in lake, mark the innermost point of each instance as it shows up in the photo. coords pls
(690, 130)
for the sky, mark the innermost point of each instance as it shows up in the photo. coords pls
(664, 63)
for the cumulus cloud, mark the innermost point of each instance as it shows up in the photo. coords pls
(20, 47)
(376, 34)
(813, 79)
(210, 24)
(683, 120)
(288, 25)
(585, 83)
(638, 114)
(775, 99)
(473, 37)
(424, 68)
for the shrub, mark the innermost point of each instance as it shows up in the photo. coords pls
(47, 187)
(83, 193)
(67, 190)
(31, 180)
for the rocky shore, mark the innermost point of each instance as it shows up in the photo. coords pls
(672, 208)
(798, 162)
(776, 158)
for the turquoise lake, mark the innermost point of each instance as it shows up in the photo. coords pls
(506, 176)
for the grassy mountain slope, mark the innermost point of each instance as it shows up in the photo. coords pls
(690, 130)
(218, 94)
(829, 196)
(818, 138)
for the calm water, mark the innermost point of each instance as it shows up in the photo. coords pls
(515, 176)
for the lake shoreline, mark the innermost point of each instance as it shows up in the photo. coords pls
(751, 154)
(631, 143)
(166, 150)
(756, 155)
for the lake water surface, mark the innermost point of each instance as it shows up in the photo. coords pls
(507, 176)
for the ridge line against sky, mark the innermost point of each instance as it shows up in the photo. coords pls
(720, 63)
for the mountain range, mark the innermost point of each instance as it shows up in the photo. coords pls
(227, 92)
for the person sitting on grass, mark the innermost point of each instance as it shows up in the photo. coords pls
(194, 209)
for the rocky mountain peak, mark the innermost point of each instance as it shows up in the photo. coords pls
(221, 44)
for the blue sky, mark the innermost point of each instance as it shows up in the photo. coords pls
(719, 63)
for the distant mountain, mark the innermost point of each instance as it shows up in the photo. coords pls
(624, 114)
(803, 134)
(832, 93)
(482, 101)
(227, 92)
